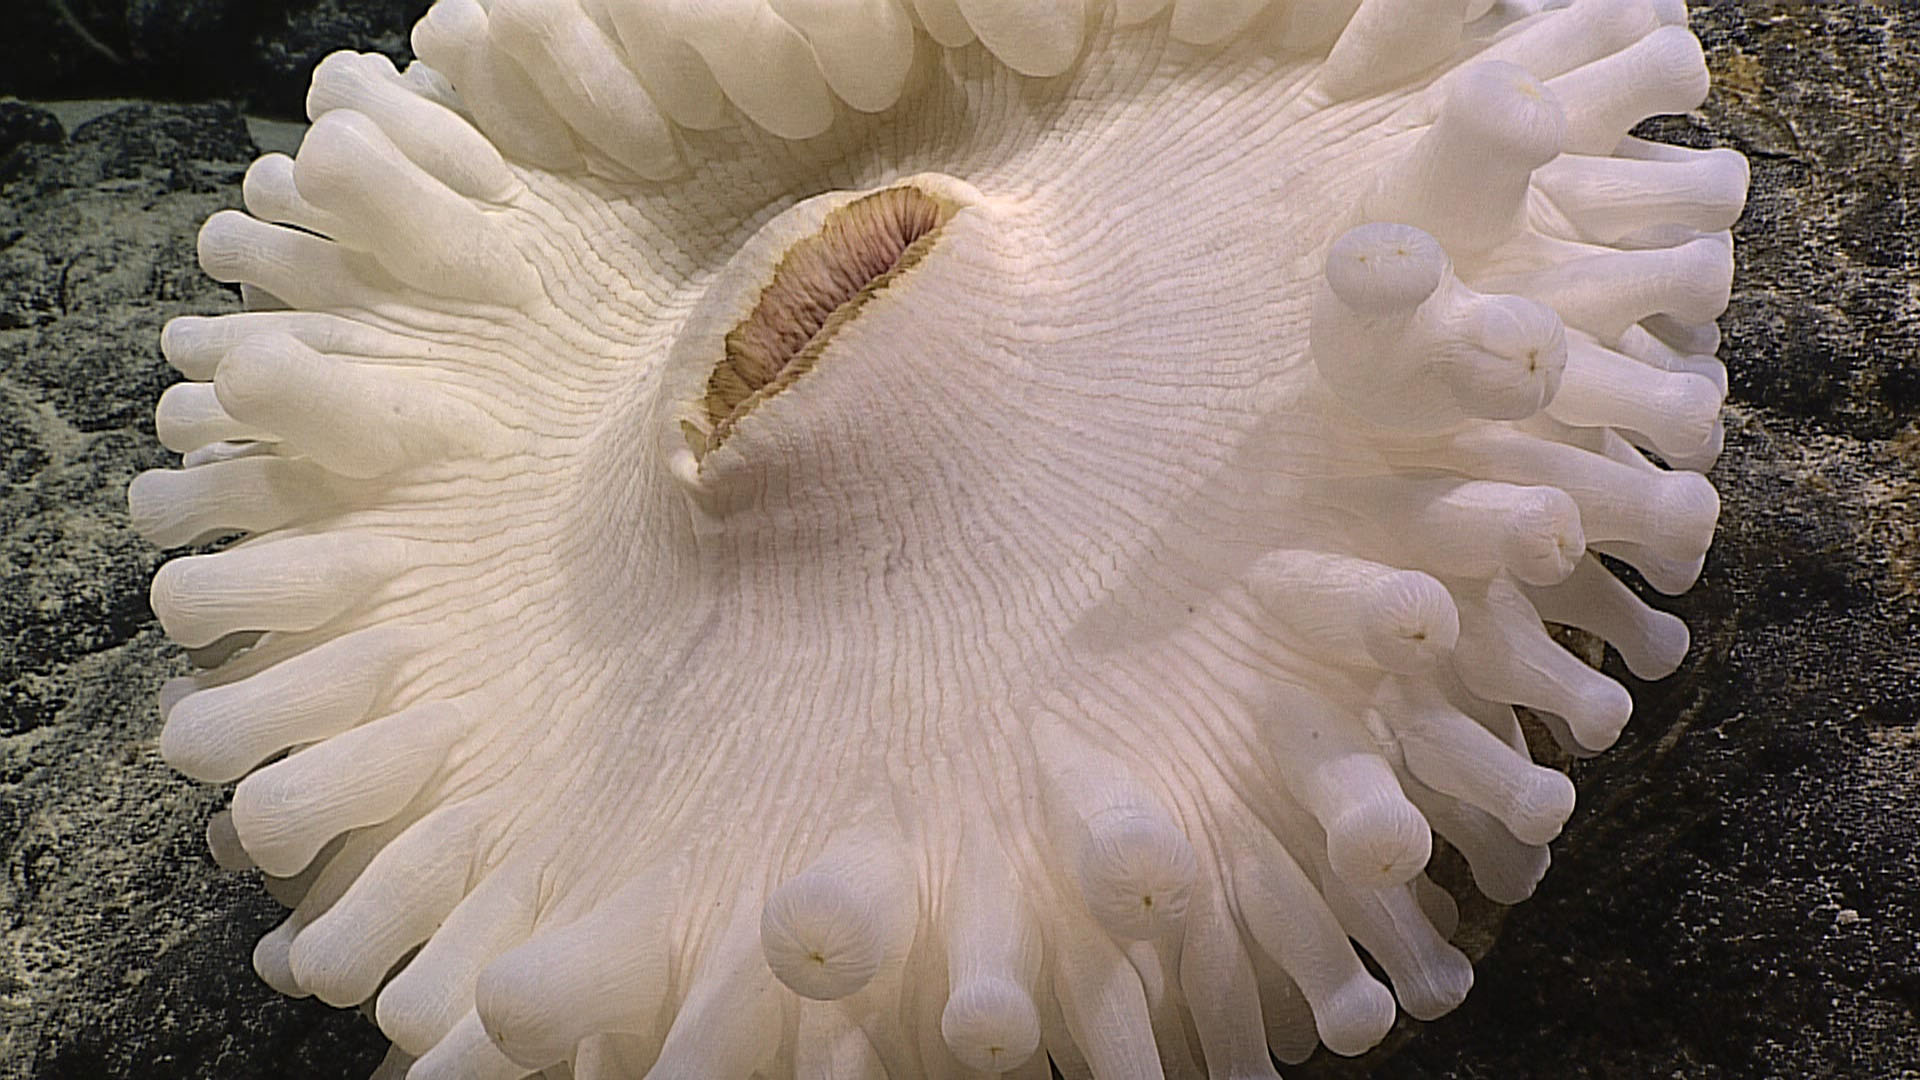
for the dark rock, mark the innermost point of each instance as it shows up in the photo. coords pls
(128, 950)
(24, 129)
(255, 52)
(22, 124)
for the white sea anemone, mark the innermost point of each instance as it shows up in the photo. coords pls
(846, 538)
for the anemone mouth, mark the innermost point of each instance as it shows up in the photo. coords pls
(820, 284)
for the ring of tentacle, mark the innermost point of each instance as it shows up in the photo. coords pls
(864, 538)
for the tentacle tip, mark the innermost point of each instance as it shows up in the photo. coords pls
(1443, 983)
(1669, 12)
(1547, 542)
(1381, 268)
(1356, 1017)
(1602, 716)
(1665, 649)
(513, 1003)
(1684, 54)
(1542, 808)
(147, 507)
(819, 939)
(181, 328)
(271, 964)
(1136, 874)
(223, 843)
(1513, 884)
(220, 244)
(1672, 577)
(1382, 841)
(1690, 501)
(1415, 623)
(991, 1024)
(1511, 110)
(319, 966)
(279, 856)
(189, 750)
(1515, 362)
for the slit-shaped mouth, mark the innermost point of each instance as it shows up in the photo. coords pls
(820, 284)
